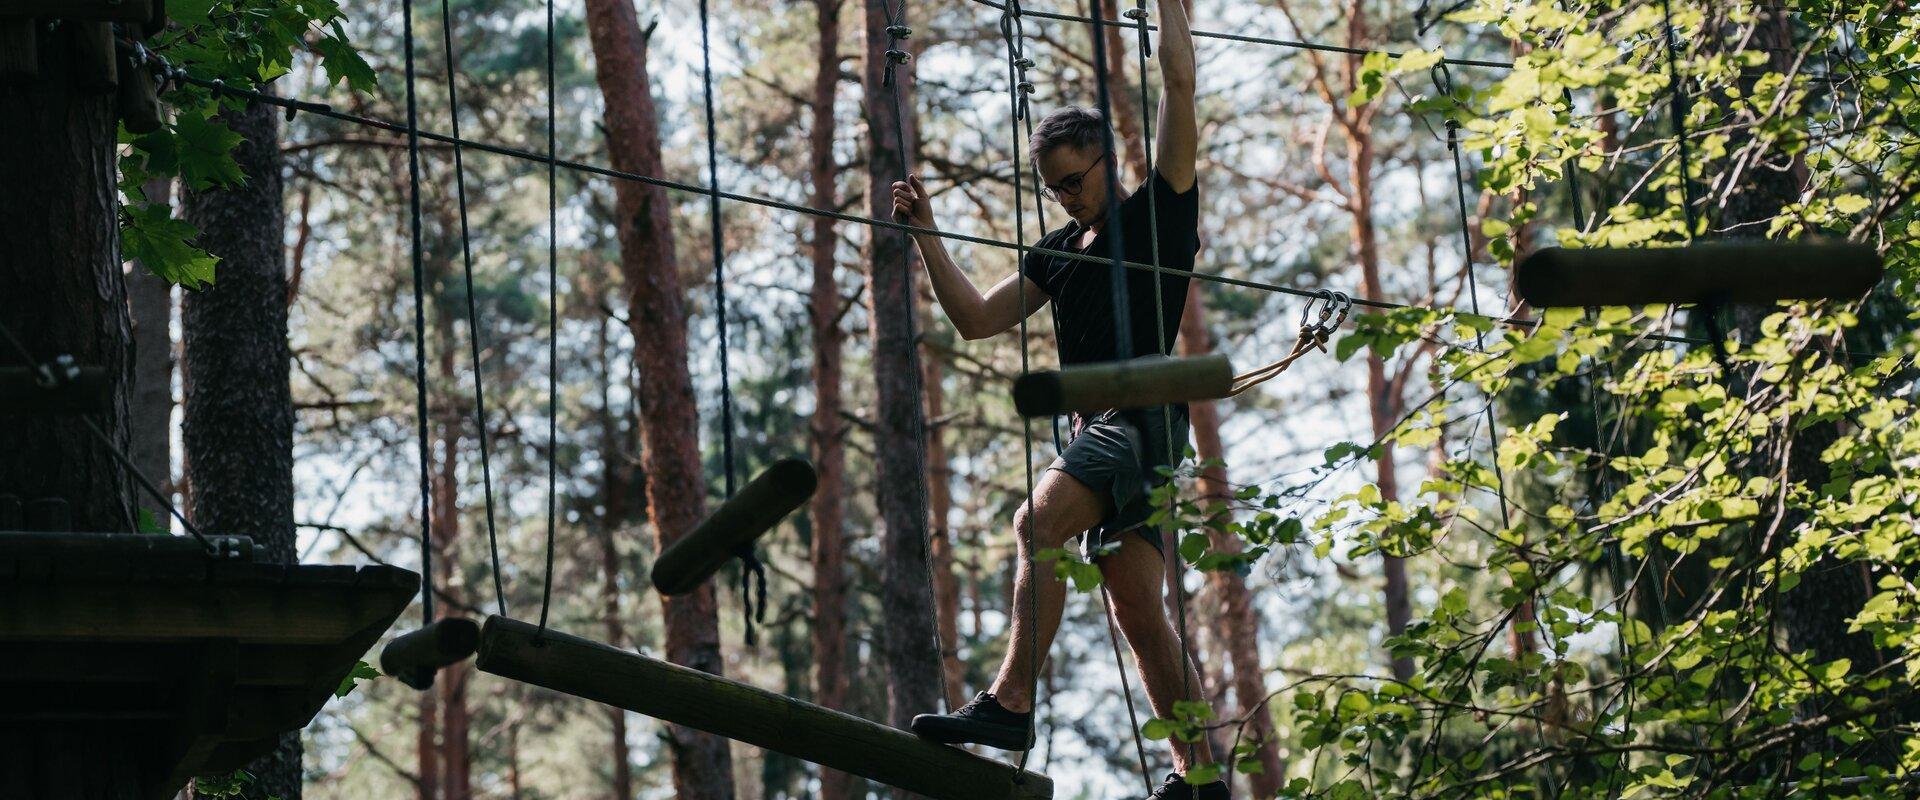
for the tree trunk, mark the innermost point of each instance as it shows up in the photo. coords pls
(946, 586)
(676, 496)
(1123, 95)
(1238, 624)
(455, 719)
(827, 510)
(912, 653)
(616, 485)
(238, 424)
(427, 746)
(61, 286)
(150, 302)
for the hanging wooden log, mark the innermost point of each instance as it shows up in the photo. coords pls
(417, 656)
(98, 10)
(86, 390)
(1708, 272)
(1136, 383)
(571, 665)
(138, 98)
(19, 50)
(94, 61)
(754, 510)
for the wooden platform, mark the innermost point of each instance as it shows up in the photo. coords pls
(182, 663)
(571, 665)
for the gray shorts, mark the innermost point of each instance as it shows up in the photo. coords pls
(1119, 454)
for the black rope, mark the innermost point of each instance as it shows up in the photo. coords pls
(419, 319)
(750, 566)
(553, 333)
(1262, 40)
(609, 172)
(473, 326)
(1018, 90)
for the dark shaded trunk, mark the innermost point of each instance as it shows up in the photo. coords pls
(1237, 626)
(238, 420)
(656, 310)
(827, 509)
(150, 302)
(61, 286)
(946, 585)
(911, 646)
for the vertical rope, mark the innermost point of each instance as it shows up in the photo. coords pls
(553, 330)
(1677, 95)
(897, 31)
(473, 327)
(751, 567)
(419, 318)
(1017, 89)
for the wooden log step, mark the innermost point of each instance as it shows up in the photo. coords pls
(1136, 383)
(1708, 272)
(417, 656)
(571, 665)
(751, 512)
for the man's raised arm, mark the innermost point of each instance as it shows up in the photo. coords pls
(1177, 140)
(974, 315)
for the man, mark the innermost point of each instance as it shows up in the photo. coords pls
(1101, 482)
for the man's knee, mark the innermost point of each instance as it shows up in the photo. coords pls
(1045, 530)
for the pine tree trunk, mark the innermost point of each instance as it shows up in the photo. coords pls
(238, 422)
(911, 649)
(827, 509)
(676, 495)
(1237, 625)
(455, 759)
(946, 585)
(61, 286)
(615, 486)
(150, 302)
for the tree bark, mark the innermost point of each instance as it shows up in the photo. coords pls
(150, 302)
(455, 719)
(911, 647)
(827, 508)
(61, 286)
(616, 484)
(676, 496)
(946, 585)
(1238, 624)
(238, 423)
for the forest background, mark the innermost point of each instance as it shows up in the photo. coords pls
(1459, 558)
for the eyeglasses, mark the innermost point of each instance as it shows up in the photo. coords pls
(1071, 186)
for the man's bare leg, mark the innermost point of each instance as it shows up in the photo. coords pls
(1135, 577)
(1063, 508)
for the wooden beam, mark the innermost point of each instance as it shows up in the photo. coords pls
(416, 657)
(754, 510)
(1709, 272)
(98, 10)
(571, 665)
(1136, 383)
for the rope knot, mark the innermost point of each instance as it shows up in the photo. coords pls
(899, 31)
(894, 57)
(1135, 14)
(1023, 63)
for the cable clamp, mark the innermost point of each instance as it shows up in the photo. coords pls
(56, 373)
(899, 31)
(1135, 14)
(899, 56)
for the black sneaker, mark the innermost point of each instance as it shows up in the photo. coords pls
(1177, 788)
(981, 721)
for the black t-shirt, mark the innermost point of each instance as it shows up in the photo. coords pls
(1082, 291)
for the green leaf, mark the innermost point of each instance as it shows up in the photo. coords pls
(206, 151)
(1158, 729)
(361, 671)
(1193, 546)
(343, 62)
(162, 244)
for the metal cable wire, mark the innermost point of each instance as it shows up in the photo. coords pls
(553, 333)
(419, 318)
